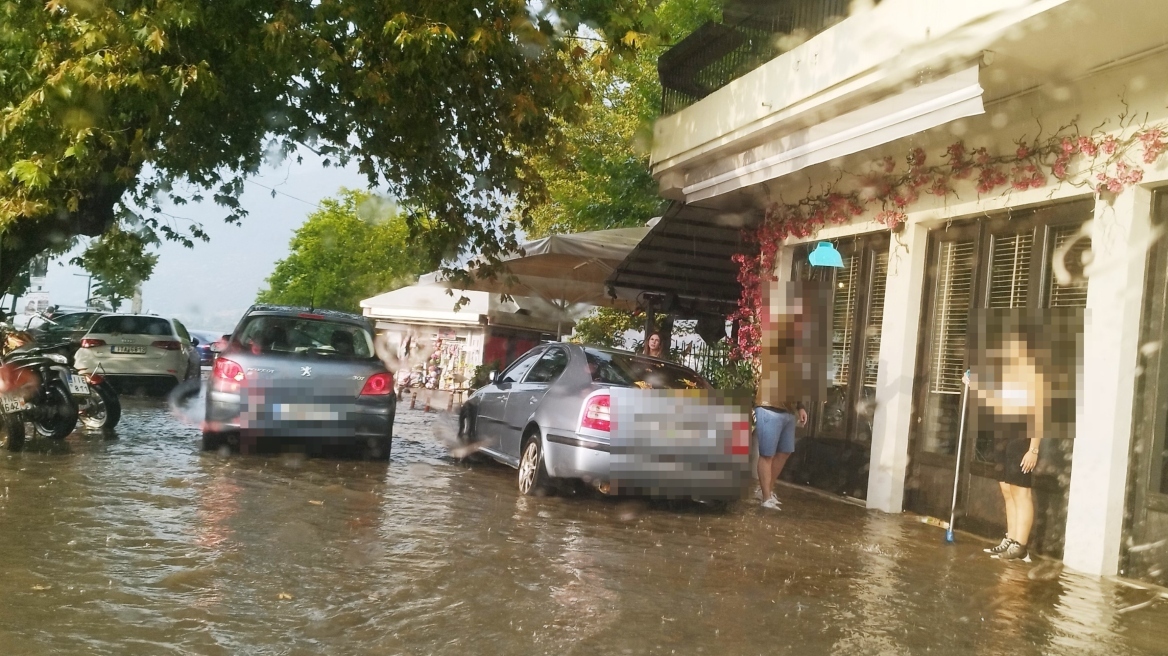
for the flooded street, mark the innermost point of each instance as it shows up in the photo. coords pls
(144, 545)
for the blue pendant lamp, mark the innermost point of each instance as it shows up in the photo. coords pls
(825, 255)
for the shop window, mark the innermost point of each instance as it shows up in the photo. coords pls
(843, 319)
(952, 295)
(1010, 270)
(1005, 263)
(1074, 292)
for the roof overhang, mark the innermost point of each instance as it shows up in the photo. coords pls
(684, 264)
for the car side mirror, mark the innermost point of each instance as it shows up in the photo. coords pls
(194, 341)
(491, 376)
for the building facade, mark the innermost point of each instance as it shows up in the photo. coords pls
(979, 164)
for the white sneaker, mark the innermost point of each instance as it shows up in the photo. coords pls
(771, 504)
(758, 494)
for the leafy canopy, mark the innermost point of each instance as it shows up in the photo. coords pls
(119, 263)
(356, 246)
(113, 108)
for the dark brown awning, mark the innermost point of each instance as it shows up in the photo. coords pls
(686, 257)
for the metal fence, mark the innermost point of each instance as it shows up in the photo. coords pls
(718, 53)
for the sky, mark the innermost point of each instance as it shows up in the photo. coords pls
(208, 287)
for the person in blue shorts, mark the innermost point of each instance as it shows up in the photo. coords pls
(774, 427)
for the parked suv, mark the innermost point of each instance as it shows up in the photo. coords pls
(139, 352)
(303, 378)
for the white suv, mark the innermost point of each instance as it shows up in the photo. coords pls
(139, 352)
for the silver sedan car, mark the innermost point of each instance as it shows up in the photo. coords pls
(622, 422)
(300, 378)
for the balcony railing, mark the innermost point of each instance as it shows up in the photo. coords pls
(718, 53)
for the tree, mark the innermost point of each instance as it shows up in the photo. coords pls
(599, 178)
(355, 246)
(119, 263)
(111, 108)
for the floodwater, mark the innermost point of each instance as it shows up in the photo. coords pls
(144, 545)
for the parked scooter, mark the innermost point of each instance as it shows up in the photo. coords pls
(43, 388)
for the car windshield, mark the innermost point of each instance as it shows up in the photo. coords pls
(628, 370)
(70, 321)
(132, 325)
(306, 336)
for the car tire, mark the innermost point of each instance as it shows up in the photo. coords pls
(379, 448)
(213, 441)
(58, 427)
(13, 427)
(533, 477)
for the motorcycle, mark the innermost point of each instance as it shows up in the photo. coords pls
(45, 389)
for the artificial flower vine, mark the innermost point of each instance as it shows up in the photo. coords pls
(1104, 162)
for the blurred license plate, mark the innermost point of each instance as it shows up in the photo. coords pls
(305, 412)
(77, 385)
(12, 404)
(137, 350)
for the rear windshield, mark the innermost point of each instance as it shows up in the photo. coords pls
(305, 336)
(629, 370)
(115, 325)
(70, 321)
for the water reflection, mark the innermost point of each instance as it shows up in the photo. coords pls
(144, 545)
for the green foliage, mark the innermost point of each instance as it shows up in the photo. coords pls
(606, 327)
(115, 107)
(599, 178)
(356, 246)
(118, 262)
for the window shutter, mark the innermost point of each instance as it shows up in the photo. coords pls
(1010, 270)
(1075, 293)
(875, 319)
(843, 316)
(951, 301)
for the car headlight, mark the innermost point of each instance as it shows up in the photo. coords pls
(57, 357)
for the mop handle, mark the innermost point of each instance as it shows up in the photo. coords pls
(960, 442)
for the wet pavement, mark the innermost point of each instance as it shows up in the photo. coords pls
(144, 545)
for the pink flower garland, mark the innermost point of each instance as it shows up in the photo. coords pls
(892, 192)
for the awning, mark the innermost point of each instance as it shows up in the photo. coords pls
(903, 114)
(568, 270)
(686, 258)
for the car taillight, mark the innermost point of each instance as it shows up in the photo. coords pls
(89, 342)
(95, 379)
(377, 385)
(227, 370)
(740, 438)
(596, 414)
(167, 345)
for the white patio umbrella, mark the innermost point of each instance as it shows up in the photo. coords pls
(568, 271)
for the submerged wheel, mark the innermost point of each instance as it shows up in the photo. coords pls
(213, 441)
(104, 409)
(533, 476)
(63, 413)
(13, 428)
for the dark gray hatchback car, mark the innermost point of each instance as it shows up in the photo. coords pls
(295, 377)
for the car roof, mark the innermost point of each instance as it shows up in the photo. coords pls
(293, 311)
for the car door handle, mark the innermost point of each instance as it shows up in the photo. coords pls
(531, 399)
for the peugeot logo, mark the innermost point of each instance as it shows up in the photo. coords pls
(305, 371)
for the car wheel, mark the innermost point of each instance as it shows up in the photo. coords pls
(13, 427)
(379, 448)
(64, 412)
(213, 441)
(533, 476)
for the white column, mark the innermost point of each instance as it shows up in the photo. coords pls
(1103, 420)
(894, 383)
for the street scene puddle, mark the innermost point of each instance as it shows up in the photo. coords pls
(142, 544)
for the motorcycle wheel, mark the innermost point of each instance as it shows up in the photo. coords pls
(13, 427)
(63, 417)
(104, 409)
